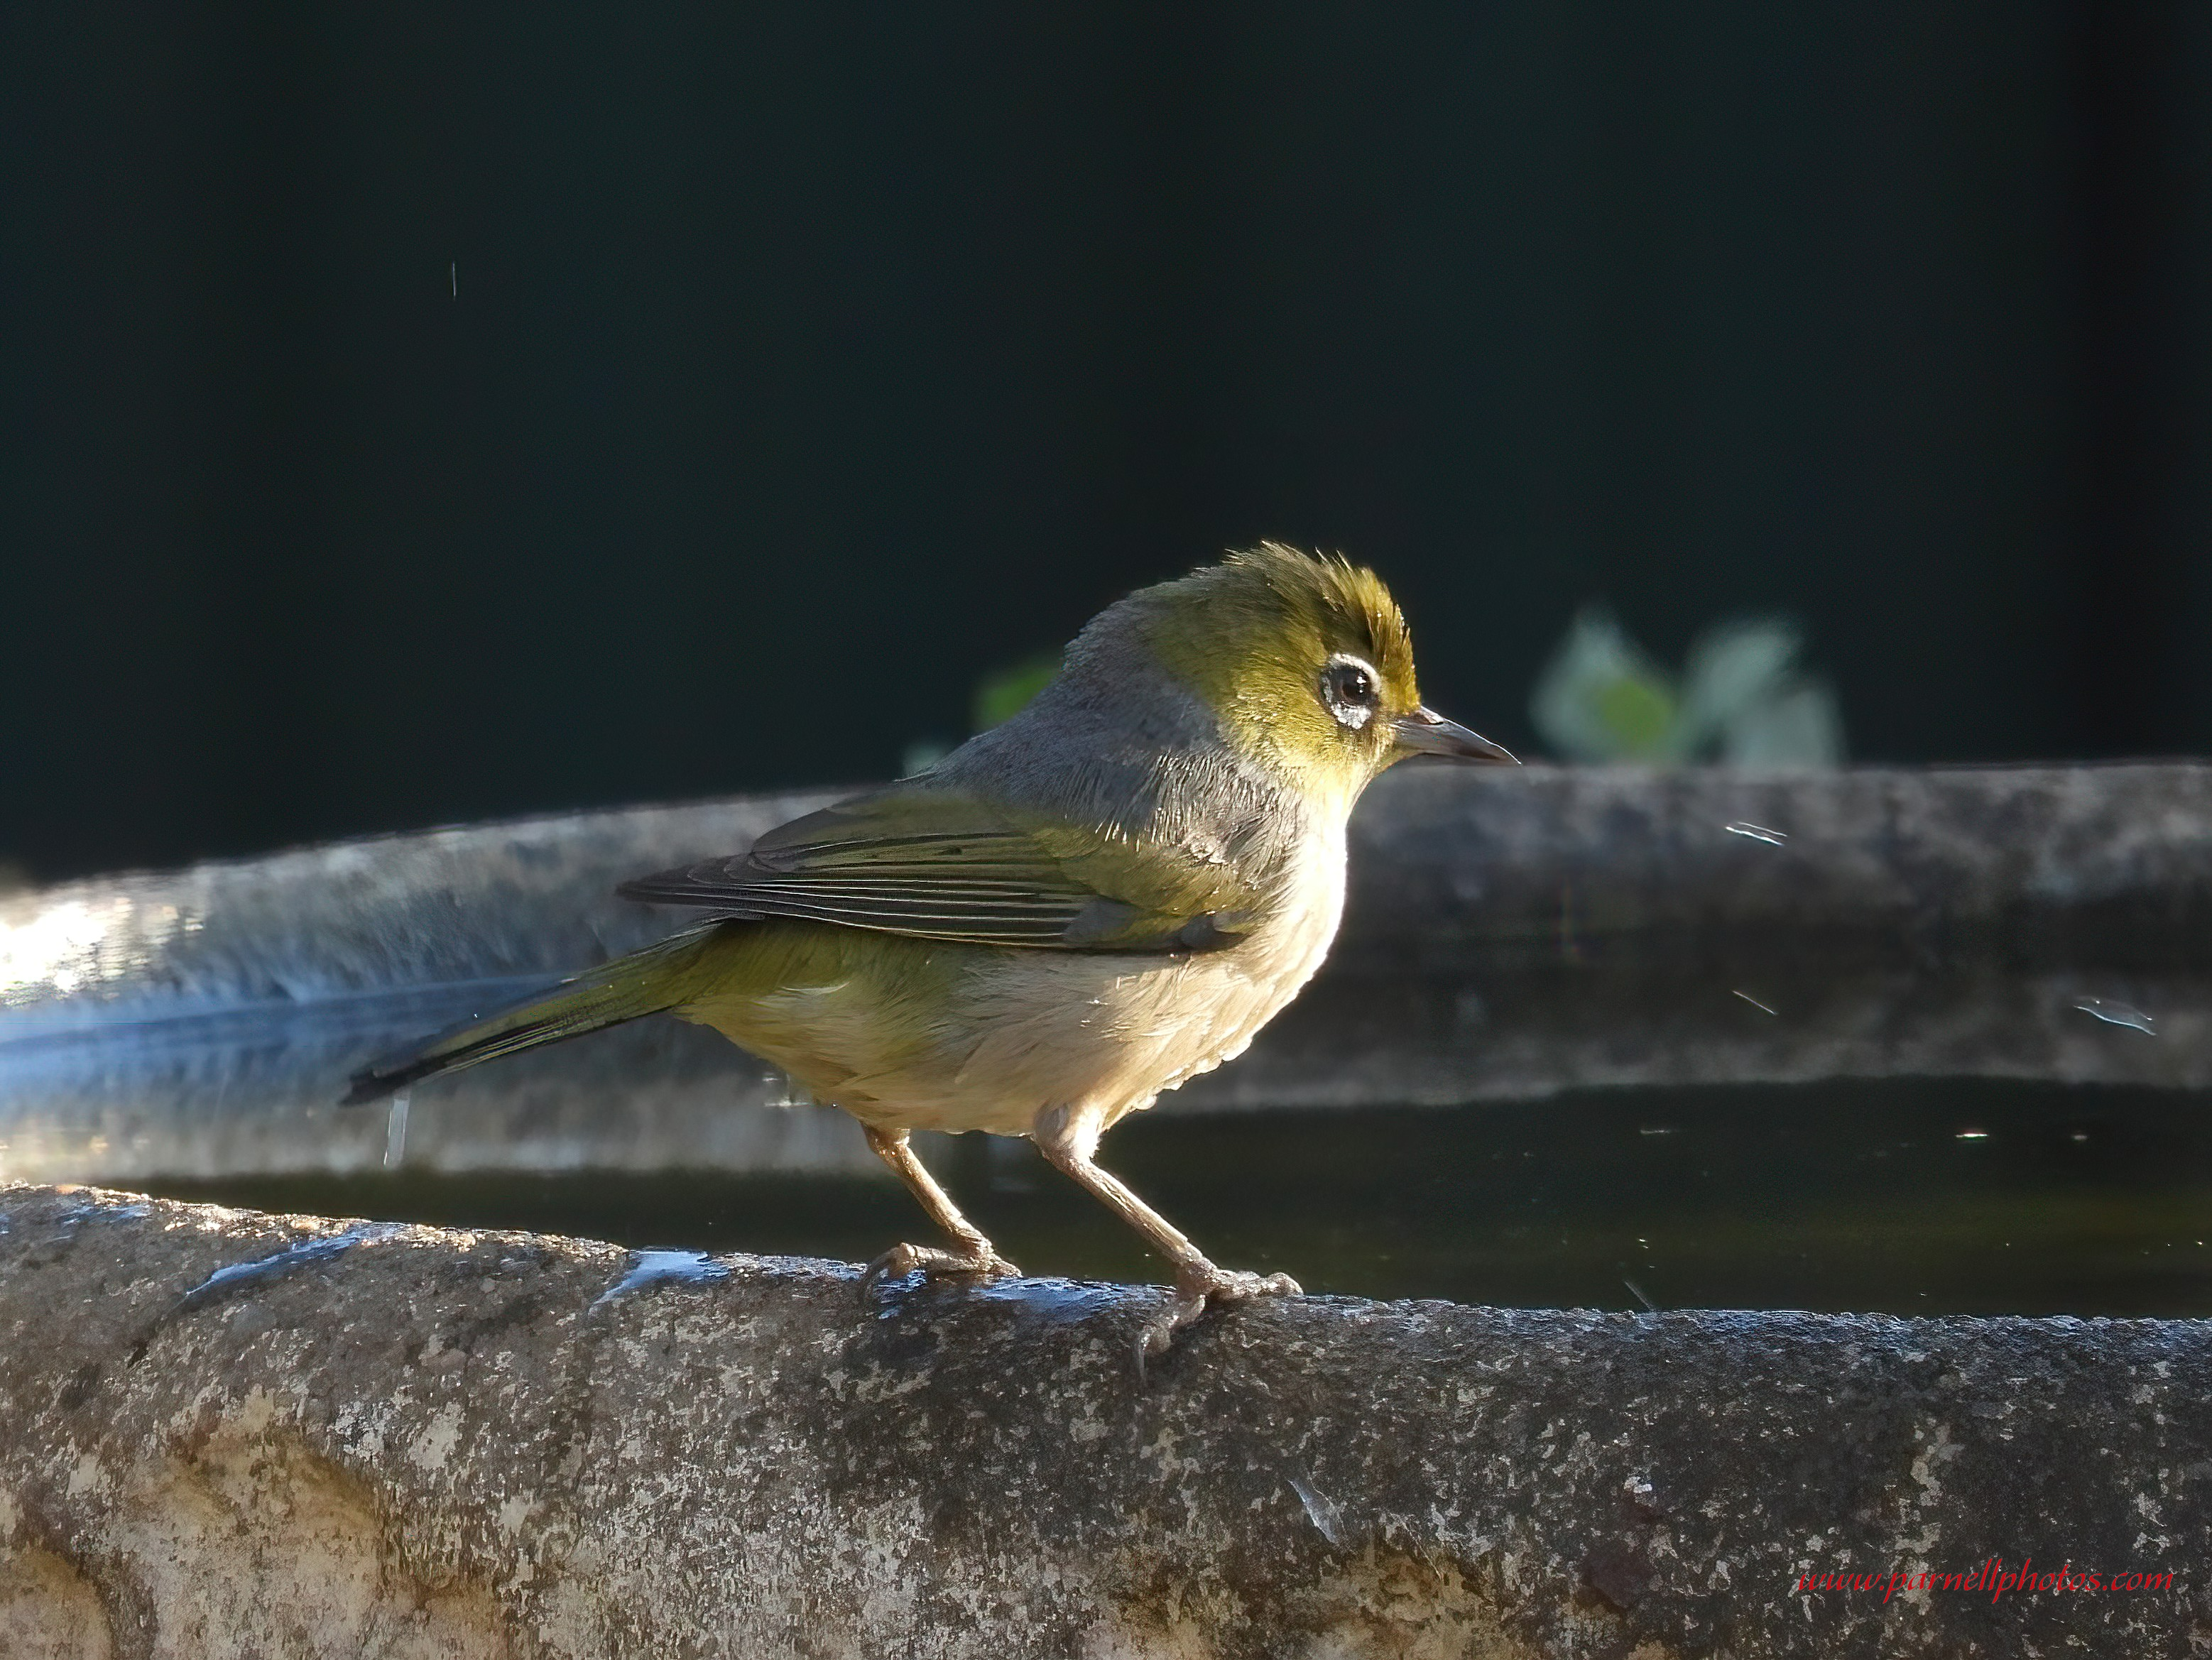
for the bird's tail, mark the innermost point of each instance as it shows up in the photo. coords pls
(644, 982)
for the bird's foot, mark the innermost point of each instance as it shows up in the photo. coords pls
(1198, 1288)
(933, 1262)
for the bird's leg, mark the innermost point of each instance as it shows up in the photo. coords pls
(1068, 1141)
(972, 1254)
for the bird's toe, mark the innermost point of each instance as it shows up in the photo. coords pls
(1158, 1335)
(1195, 1292)
(1235, 1285)
(933, 1263)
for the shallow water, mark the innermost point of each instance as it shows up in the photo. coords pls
(1909, 1196)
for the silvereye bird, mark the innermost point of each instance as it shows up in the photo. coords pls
(1102, 897)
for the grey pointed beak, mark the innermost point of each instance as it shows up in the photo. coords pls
(1426, 732)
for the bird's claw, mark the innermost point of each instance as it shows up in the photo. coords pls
(1195, 1289)
(901, 1260)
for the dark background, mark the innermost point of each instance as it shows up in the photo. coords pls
(807, 361)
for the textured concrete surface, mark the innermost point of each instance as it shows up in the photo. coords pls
(224, 1434)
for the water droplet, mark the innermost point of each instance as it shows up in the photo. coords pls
(782, 1090)
(1640, 1297)
(653, 1267)
(1056, 1302)
(78, 1213)
(2114, 1012)
(1971, 1135)
(1773, 838)
(395, 1132)
(1319, 1509)
(1754, 1002)
(276, 1267)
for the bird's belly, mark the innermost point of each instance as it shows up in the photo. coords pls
(1113, 1045)
(1102, 1033)
(1003, 1034)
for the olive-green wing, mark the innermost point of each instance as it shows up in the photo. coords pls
(936, 865)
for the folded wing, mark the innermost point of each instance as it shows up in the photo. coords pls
(936, 865)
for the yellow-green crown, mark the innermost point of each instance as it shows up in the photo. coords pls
(1252, 635)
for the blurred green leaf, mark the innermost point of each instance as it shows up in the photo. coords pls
(1742, 699)
(1639, 715)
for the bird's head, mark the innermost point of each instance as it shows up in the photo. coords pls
(1307, 661)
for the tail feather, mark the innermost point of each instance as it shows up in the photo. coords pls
(644, 982)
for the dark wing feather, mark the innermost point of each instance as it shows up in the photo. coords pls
(939, 866)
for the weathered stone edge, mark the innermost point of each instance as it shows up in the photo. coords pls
(463, 1431)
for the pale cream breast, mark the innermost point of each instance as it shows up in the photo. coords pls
(1103, 1034)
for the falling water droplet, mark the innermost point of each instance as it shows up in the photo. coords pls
(1754, 1002)
(395, 1132)
(2114, 1013)
(1773, 838)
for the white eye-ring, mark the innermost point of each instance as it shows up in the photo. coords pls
(1350, 690)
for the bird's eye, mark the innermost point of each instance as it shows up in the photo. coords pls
(1347, 686)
